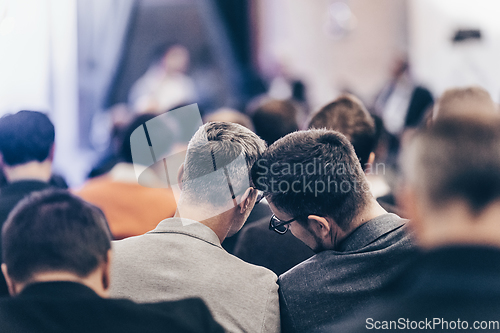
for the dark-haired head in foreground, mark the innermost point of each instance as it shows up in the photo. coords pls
(56, 254)
(54, 235)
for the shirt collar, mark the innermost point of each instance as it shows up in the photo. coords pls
(370, 231)
(188, 227)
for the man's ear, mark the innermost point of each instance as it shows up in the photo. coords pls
(371, 158)
(320, 226)
(10, 282)
(248, 199)
(180, 173)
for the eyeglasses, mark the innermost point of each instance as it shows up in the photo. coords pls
(280, 226)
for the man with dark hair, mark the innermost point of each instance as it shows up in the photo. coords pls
(451, 189)
(183, 256)
(316, 187)
(26, 153)
(56, 259)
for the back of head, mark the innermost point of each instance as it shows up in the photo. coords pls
(54, 231)
(219, 157)
(348, 115)
(313, 172)
(456, 159)
(464, 101)
(25, 136)
(273, 119)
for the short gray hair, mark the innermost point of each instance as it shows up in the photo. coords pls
(228, 148)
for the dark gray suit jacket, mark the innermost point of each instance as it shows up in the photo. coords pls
(333, 284)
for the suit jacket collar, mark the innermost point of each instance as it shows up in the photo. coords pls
(370, 231)
(188, 227)
(58, 289)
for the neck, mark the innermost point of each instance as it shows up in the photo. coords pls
(455, 224)
(93, 281)
(32, 170)
(219, 221)
(372, 210)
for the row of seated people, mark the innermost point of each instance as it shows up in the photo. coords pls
(316, 186)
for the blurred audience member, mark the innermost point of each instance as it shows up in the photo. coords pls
(26, 151)
(273, 119)
(402, 103)
(56, 260)
(347, 115)
(472, 100)
(107, 133)
(231, 116)
(165, 84)
(131, 209)
(183, 256)
(316, 187)
(451, 190)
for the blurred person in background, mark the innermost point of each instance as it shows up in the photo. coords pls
(347, 115)
(26, 155)
(273, 119)
(130, 208)
(473, 100)
(401, 103)
(165, 85)
(56, 259)
(451, 191)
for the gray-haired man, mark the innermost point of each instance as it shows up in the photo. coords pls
(183, 257)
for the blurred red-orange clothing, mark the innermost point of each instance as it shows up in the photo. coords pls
(131, 209)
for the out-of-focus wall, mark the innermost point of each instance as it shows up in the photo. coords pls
(295, 31)
(441, 64)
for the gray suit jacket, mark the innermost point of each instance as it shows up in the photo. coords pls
(333, 284)
(183, 258)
